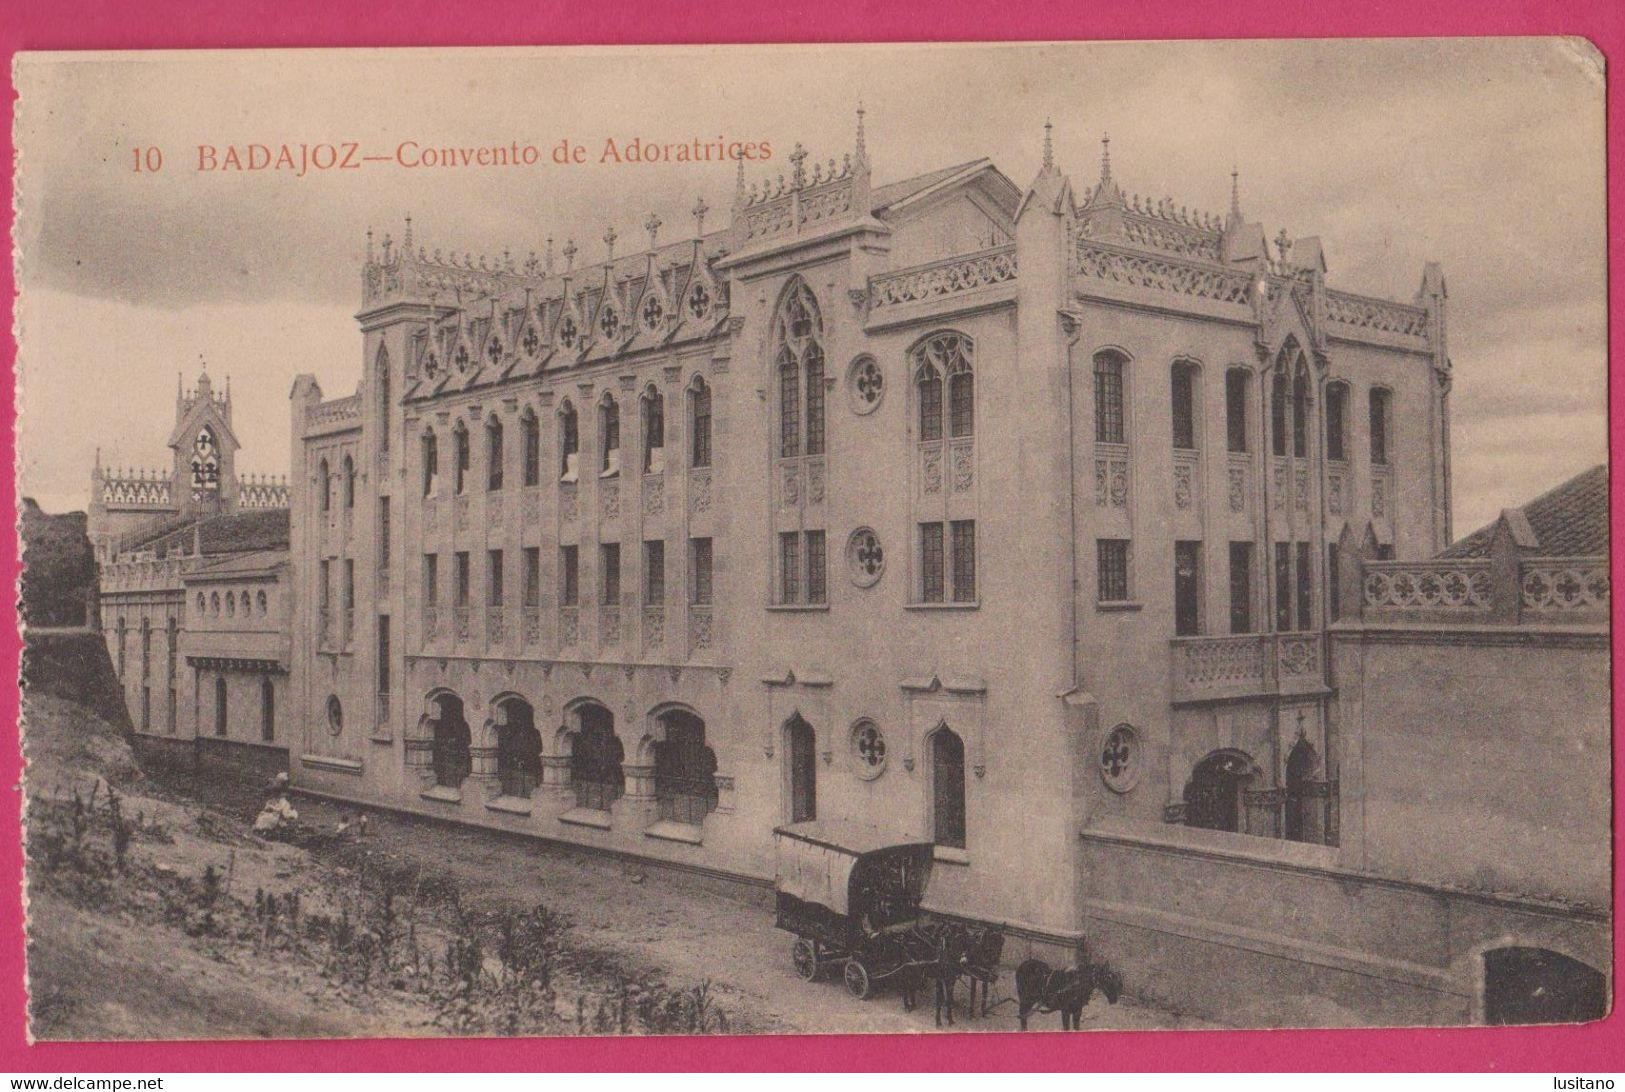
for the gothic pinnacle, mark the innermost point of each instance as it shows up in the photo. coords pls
(1235, 194)
(699, 211)
(1105, 159)
(862, 150)
(1049, 145)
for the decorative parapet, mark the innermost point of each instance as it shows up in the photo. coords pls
(1158, 225)
(1367, 313)
(1445, 587)
(943, 279)
(262, 491)
(1132, 269)
(338, 411)
(788, 207)
(1565, 588)
(137, 489)
(1509, 591)
(1246, 665)
(399, 274)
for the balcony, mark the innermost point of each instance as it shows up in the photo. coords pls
(1246, 665)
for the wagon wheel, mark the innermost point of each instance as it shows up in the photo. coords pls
(804, 954)
(857, 980)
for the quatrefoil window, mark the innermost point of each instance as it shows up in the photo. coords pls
(865, 557)
(567, 332)
(1121, 758)
(609, 322)
(653, 312)
(530, 342)
(699, 301)
(493, 350)
(866, 384)
(431, 365)
(461, 359)
(868, 750)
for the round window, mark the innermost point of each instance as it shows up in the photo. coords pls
(868, 750)
(1121, 760)
(335, 715)
(865, 557)
(866, 384)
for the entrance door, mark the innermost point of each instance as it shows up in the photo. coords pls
(803, 771)
(1187, 595)
(1213, 794)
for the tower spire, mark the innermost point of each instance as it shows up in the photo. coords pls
(1105, 159)
(861, 152)
(1049, 145)
(1235, 195)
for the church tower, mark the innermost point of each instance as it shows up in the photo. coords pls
(204, 450)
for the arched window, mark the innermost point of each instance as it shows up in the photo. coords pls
(460, 458)
(530, 445)
(928, 391)
(324, 479)
(945, 358)
(1337, 421)
(231, 604)
(146, 646)
(381, 372)
(800, 751)
(122, 630)
(1300, 410)
(349, 482)
(685, 770)
(1182, 378)
(1214, 794)
(260, 602)
(699, 430)
(798, 357)
(609, 436)
(220, 711)
(1237, 389)
(569, 443)
(214, 603)
(947, 788)
(595, 759)
(431, 463)
(452, 762)
(519, 750)
(267, 710)
(654, 431)
(1381, 425)
(202, 605)
(1278, 412)
(1109, 401)
(494, 455)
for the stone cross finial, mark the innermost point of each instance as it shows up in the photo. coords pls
(406, 244)
(610, 235)
(1235, 193)
(862, 150)
(569, 254)
(1105, 158)
(652, 226)
(1049, 145)
(798, 168)
(369, 244)
(1283, 243)
(699, 210)
(550, 255)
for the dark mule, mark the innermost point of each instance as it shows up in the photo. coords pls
(939, 957)
(984, 948)
(1065, 990)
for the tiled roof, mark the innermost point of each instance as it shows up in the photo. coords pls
(1569, 521)
(893, 192)
(235, 532)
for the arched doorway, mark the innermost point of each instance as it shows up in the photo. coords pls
(1213, 796)
(595, 759)
(947, 788)
(519, 749)
(1302, 824)
(685, 769)
(452, 762)
(800, 749)
(1537, 986)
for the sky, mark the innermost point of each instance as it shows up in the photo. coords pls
(1485, 155)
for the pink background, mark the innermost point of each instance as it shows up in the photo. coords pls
(177, 24)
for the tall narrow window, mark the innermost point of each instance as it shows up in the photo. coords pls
(801, 751)
(1380, 399)
(1278, 411)
(383, 654)
(945, 358)
(928, 384)
(1306, 584)
(700, 424)
(1183, 379)
(609, 433)
(383, 534)
(654, 432)
(816, 575)
(530, 448)
(461, 459)
(798, 358)
(220, 711)
(324, 585)
(569, 444)
(1283, 586)
(461, 588)
(1337, 408)
(947, 789)
(349, 482)
(531, 588)
(789, 567)
(494, 455)
(267, 710)
(381, 371)
(431, 579)
(569, 576)
(1111, 570)
(964, 547)
(349, 583)
(1334, 583)
(961, 395)
(493, 578)
(1241, 587)
(609, 574)
(431, 463)
(932, 577)
(1300, 412)
(324, 474)
(1109, 398)
(700, 585)
(1187, 589)
(1236, 384)
(654, 572)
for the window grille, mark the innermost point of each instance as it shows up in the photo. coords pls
(931, 563)
(1241, 587)
(654, 572)
(789, 568)
(1109, 399)
(1184, 405)
(700, 440)
(1337, 397)
(964, 547)
(701, 548)
(569, 576)
(609, 575)
(816, 572)
(1235, 409)
(1112, 570)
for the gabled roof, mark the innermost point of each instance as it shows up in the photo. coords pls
(895, 193)
(1568, 521)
